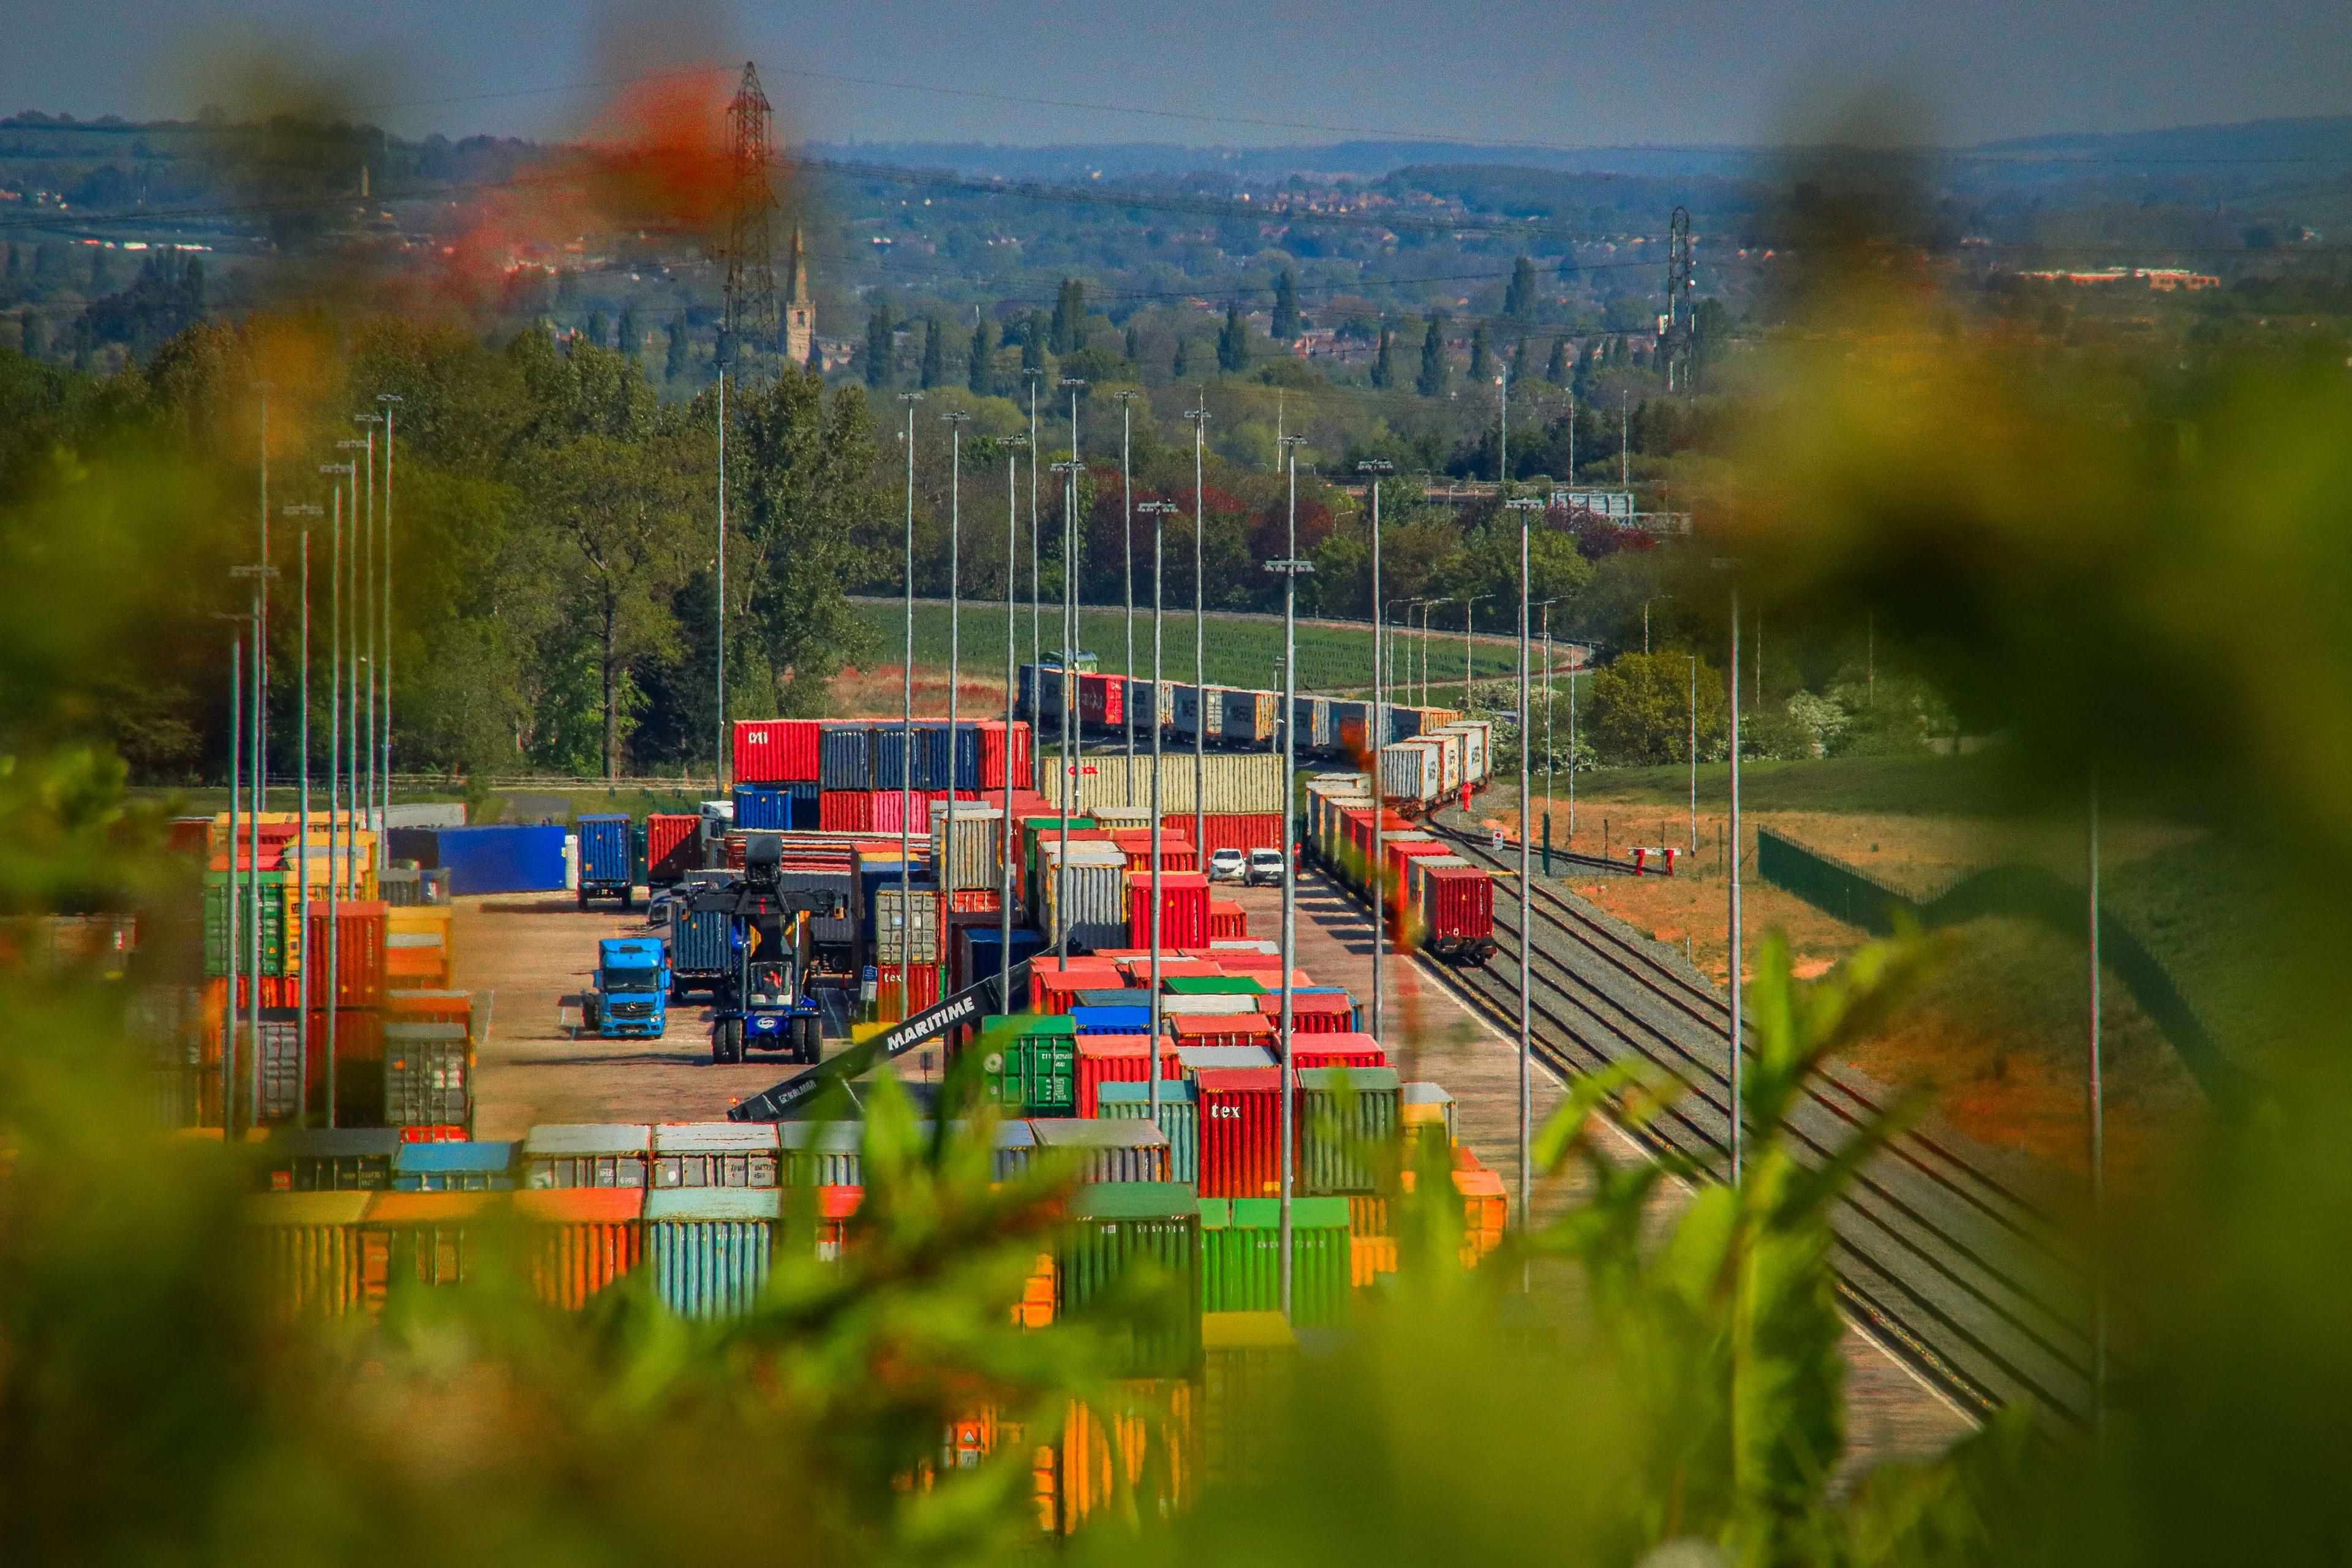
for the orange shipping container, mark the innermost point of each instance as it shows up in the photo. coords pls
(1135, 1449)
(358, 957)
(581, 1239)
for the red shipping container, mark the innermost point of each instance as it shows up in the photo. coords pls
(1226, 920)
(844, 811)
(1056, 990)
(1220, 1028)
(1184, 909)
(972, 900)
(1459, 904)
(1399, 852)
(359, 933)
(1256, 830)
(1102, 702)
(776, 750)
(1138, 970)
(673, 846)
(1316, 1012)
(887, 808)
(904, 990)
(1337, 1050)
(993, 757)
(359, 1063)
(438, 1133)
(1240, 1131)
(1117, 1058)
(581, 1239)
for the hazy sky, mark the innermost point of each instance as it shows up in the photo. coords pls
(1672, 71)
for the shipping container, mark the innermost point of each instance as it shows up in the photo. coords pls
(495, 860)
(1477, 748)
(779, 807)
(1248, 718)
(1093, 878)
(1178, 1115)
(1241, 1258)
(1214, 1003)
(423, 1239)
(1426, 1105)
(1054, 985)
(906, 926)
(577, 1240)
(1127, 1018)
(607, 856)
(1100, 1150)
(1227, 921)
(1191, 1030)
(1412, 771)
(1316, 1012)
(361, 942)
(845, 758)
(330, 1160)
(1117, 1058)
(1184, 909)
(1129, 1447)
(979, 859)
(776, 751)
(716, 1154)
(1341, 1049)
(1314, 726)
(306, 1250)
(455, 1167)
(709, 1247)
(1101, 701)
(1454, 915)
(1242, 784)
(993, 758)
(1115, 1229)
(823, 1154)
(587, 1154)
(672, 847)
(1241, 1130)
(846, 811)
(1346, 1121)
(428, 1076)
(1249, 1365)
(983, 950)
(1258, 830)
(278, 896)
(1031, 1062)
(1144, 711)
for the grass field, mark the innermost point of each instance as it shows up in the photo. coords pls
(1241, 650)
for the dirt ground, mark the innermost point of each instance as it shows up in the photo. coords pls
(882, 691)
(1998, 1040)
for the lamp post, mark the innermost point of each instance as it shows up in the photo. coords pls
(946, 877)
(339, 828)
(302, 828)
(1159, 511)
(1127, 565)
(1738, 1135)
(1693, 754)
(1526, 927)
(907, 730)
(1469, 607)
(260, 575)
(1545, 605)
(1653, 599)
(1067, 717)
(1427, 606)
(1011, 445)
(367, 567)
(391, 404)
(1037, 604)
(228, 887)
(719, 668)
(1377, 731)
(1291, 569)
(1200, 419)
(1406, 622)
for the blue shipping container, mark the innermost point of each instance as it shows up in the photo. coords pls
(930, 767)
(765, 807)
(845, 757)
(604, 858)
(466, 1167)
(710, 1246)
(490, 859)
(1113, 1020)
(983, 951)
(967, 756)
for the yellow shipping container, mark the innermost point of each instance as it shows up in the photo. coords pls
(1133, 1457)
(306, 1247)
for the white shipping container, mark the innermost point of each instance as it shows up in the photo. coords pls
(1411, 769)
(1189, 700)
(1237, 784)
(1097, 901)
(897, 940)
(1207, 1006)
(1095, 856)
(1477, 747)
(978, 843)
(1123, 816)
(1449, 759)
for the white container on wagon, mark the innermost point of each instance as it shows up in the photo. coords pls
(1412, 771)
(1477, 748)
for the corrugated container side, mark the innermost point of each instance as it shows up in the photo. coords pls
(1241, 1123)
(1347, 1121)
(1114, 1227)
(577, 1242)
(307, 1251)
(1241, 1258)
(1138, 1452)
(1179, 1118)
(709, 1268)
(673, 846)
(845, 758)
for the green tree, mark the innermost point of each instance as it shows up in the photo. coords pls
(1520, 295)
(632, 335)
(1522, 360)
(1180, 367)
(1286, 327)
(979, 369)
(592, 334)
(881, 347)
(1556, 368)
(1134, 341)
(808, 503)
(1232, 342)
(1639, 709)
(1069, 322)
(1482, 357)
(1033, 344)
(1384, 365)
(673, 361)
(935, 353)
(1431, 382)
(627, 511)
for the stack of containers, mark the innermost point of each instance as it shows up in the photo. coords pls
(846, 778)
(1240, 1112)
(1178, 1115)
(1183, 897)
(1054, 984)
(1413, 772)
(1478, 749)
(1241, 1258)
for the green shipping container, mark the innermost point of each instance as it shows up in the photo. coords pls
(1211, 986)
(1241, 1258)
(275, 922)
(1180, 1118)
(1031, 1061)
(1348, 1128)
(1114, 1227)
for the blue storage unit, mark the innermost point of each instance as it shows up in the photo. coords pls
(467, 1167)
(1404, 724)
(930, 768)
(1126, 1020)
(765, 807)
(709, 1247)
(1122, 996)
(983, 950)
(805, 805)
(608, 864)
(845, 757)
(967, 756)
(498, 859)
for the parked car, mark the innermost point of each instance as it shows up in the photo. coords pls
(1228, 866)
(1266, 869)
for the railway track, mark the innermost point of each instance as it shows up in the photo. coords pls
(1950, 1267)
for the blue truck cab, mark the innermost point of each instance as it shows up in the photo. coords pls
(608, 859)
(630, 993)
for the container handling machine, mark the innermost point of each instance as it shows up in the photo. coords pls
(764, 1001)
